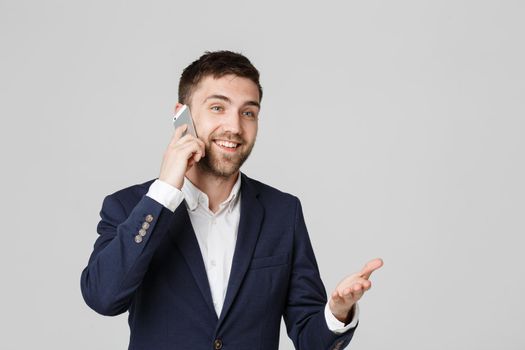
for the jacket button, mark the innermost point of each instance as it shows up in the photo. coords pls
(217, 344)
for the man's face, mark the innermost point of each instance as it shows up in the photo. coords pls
(225, 112)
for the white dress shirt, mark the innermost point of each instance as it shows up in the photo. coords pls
(217, 234)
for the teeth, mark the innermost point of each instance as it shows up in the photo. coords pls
(226, 144)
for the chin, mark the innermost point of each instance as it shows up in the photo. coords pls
(223, 165)
(219, 168)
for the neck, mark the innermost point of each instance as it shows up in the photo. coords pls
(217, 188)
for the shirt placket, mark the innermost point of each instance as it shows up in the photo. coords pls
(215, 251)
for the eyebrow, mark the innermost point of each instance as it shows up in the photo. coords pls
(227, 99)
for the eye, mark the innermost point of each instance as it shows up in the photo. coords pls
(249, 114)
(216, 108)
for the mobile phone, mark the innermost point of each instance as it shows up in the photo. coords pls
(183, 116)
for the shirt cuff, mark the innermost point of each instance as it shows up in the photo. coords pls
(337, 326)
(166, 194)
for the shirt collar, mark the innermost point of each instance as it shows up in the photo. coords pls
(194, 196)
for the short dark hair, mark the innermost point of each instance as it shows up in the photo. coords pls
(216, 64)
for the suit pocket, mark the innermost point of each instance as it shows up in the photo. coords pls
(269, 261)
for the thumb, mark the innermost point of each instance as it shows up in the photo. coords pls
(370, 267)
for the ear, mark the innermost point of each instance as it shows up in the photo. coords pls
(178, 106)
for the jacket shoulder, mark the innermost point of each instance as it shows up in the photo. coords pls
(131, 194)
(270, 193)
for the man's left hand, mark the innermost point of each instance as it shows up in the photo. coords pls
(351, 289)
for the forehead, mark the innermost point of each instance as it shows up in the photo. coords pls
(238, 89)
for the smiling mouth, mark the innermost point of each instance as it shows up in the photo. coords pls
(227, 146)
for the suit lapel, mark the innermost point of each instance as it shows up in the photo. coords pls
(184, 237)
(252, 213)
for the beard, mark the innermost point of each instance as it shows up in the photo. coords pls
(222, 164)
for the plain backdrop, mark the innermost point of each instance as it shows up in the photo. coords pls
(399, 124)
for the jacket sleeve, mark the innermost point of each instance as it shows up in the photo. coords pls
(122, 253)
(304, 313)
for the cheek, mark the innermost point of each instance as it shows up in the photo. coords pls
(251, 132)
(202, 123)
(204, 130)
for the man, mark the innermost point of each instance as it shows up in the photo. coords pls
(205, 257)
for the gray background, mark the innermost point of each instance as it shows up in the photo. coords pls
(399, 124)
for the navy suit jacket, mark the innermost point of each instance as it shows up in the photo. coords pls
(161, 279)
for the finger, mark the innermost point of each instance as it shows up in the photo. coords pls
(356, 287)
(183, 140)
(352, 282)
(194, 157)
(357, 292)
(202, 146)
(367, 285)
(191, 150)
(178, 133)
(348, 296)
(353, 293)
(336, 297)
(370, 267)
(197, 157)
(188, 138)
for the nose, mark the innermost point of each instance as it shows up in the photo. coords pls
(232, 123)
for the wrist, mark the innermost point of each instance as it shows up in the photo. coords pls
(344, 316)
(177, 184)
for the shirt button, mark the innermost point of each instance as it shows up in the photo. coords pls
(213, 263)
(217, 344)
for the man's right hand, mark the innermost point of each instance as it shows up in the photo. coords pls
(182, 153)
